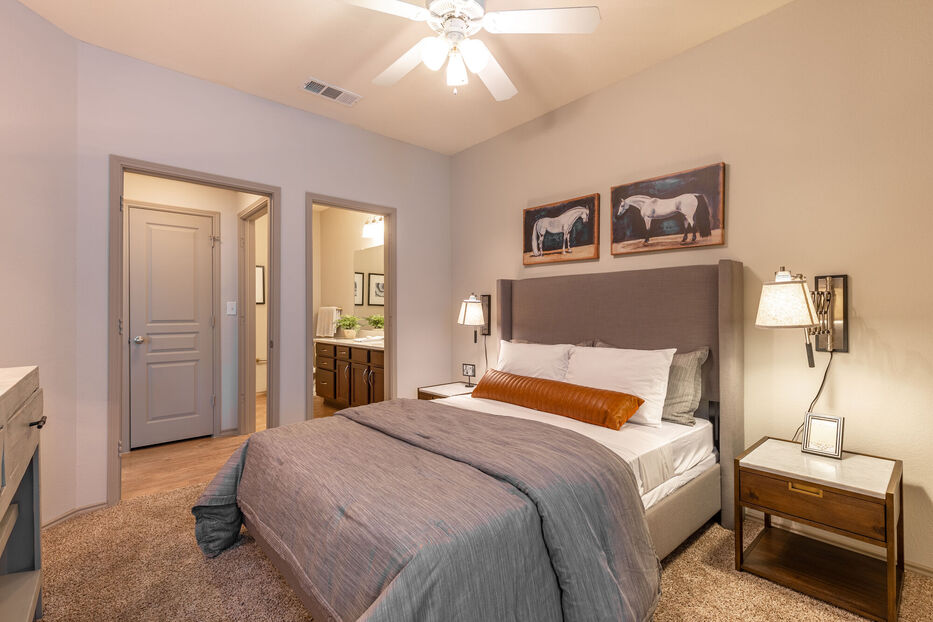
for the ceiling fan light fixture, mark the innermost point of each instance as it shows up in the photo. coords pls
(456, 69)
(476, 54)
(434, 52)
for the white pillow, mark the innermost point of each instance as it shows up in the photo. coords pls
(534, 359)
(642, 373)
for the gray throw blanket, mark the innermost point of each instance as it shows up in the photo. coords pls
(410, 510)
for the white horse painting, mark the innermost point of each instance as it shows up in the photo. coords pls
(560, 224)
(693, 208)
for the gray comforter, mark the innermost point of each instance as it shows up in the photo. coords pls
(411, 510)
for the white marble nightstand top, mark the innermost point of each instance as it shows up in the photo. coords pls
(854, 472)
(448, 390)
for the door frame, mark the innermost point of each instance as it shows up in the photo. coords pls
(246, 315)
(115, 319)
(389, 215)
(217, 408)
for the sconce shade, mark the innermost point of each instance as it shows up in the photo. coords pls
(786, 303)
(471, 312)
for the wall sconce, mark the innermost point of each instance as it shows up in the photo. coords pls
(787, 302)
(475, 312)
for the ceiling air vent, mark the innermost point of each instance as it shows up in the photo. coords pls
(335, 93)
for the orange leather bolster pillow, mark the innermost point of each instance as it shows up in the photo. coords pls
(608, 409)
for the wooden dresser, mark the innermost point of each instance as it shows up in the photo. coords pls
(349, 375)
(20, 563)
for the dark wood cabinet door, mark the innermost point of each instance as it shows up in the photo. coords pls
(343, 382)
(325, 384)
(377, 378)
(359, 384)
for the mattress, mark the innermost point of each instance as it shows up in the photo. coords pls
(656, 455)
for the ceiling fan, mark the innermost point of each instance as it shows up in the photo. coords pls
(455, 21)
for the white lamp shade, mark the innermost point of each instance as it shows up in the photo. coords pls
(434, 52)
(475, 53)
(456, 70)
(471, 312)
(786, 304)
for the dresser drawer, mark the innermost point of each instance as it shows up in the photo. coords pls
(324, 349)
(343, 353)
(19, 444)
(359, 355)
(814, 503)
(324, 362)
(377, 358)
(325, 384)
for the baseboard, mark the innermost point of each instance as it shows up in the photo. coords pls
(754, 516)
(229, 432)
(258, 393)
(74, 513)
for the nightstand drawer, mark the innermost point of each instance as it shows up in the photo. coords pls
(813, 503)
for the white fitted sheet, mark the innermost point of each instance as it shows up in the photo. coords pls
(655, 454)
(659, 492)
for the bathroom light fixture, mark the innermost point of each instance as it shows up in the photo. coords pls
(374, 228)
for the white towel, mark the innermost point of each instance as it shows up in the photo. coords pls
(326, 321)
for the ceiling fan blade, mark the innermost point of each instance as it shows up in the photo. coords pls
(400, 68)
(394, 7)
(571, 20)
(496, 80)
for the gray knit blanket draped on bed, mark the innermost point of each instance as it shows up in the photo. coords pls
(411, 510)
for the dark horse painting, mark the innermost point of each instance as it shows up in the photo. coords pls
(682, 210)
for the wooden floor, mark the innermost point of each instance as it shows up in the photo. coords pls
(169, 466)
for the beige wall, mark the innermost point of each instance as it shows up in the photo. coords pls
(38, 173)
(228, 203)
(262, 314)
(368, 261)
(341, 238)
(823, 111)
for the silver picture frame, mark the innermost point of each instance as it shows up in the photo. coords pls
(823, 435)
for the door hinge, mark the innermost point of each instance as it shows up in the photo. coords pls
(121, 203)
(119, 325)
(271, 343)
(212, 321)
(213, 401)
(214, 240)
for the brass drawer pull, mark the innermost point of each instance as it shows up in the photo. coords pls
(805, 490)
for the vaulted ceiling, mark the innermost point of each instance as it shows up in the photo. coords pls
(271, 47)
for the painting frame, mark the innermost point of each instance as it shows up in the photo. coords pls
(359, 289)
(671, 193)
(260, 285)
(815, 442)
(372, 297)
(535, 237)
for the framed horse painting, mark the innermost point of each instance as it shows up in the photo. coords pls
(562, 231)
(682, 210)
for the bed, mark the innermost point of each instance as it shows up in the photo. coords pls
(472, 509)
(684, 307)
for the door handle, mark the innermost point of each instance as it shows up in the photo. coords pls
(40, 423)
(138, 339)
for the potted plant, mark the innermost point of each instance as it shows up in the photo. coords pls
(347, 325)
(377, 324)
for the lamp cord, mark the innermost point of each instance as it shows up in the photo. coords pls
(817, 396)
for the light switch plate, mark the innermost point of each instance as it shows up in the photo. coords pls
(231, 308)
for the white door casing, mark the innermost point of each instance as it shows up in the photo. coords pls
(170, 336)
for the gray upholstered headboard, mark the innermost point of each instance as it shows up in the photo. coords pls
(684, 307)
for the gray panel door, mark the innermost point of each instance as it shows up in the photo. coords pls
(170, 336)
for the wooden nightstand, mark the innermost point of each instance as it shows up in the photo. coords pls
(450, 389)
(858, 496)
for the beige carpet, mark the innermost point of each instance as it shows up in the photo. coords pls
(138, 561)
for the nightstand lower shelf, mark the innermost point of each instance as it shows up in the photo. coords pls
(844, 578)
